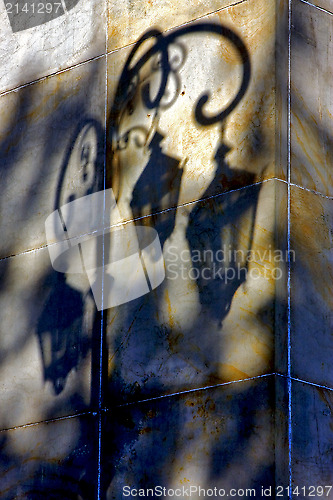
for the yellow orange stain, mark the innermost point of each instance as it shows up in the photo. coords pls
(232, 373)
(169, 308)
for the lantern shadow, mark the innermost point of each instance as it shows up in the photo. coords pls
(213, 216)
(157, 188)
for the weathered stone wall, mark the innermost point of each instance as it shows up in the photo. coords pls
(191, 383)
(311, 236)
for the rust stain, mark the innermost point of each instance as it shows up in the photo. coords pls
(230, 372)
(189, 403)
(170, 310)
(261, 348)
(145, 430)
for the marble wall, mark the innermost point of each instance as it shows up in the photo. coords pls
(311, 345)
(182, 111)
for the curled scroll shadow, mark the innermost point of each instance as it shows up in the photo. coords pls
(158, 186)
(130, 77)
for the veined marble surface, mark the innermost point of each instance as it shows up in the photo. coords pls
(312, 98)
(199, 327)
(128, 20)
(322, 4)
(242, 155)
(49, 460)
(311, 287)
(39, 143)
(312, 457)
(47, 335)
(219, 438)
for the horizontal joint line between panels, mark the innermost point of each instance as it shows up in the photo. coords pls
(49, 421)
(313, 191)
(164, 396)
(128, 221)
(131, 44)
(190, 391)
(307, 382)
(317, 7)
(51, 75)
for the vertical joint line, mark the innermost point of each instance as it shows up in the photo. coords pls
(289, 248)
(103, 317)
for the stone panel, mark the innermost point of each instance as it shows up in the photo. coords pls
(237, 69)
(127, 21)
(213, 318)
(312, 99)
(219, 438)
(312, 441)
(51, 135)
(50, 460)
(311, 287)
